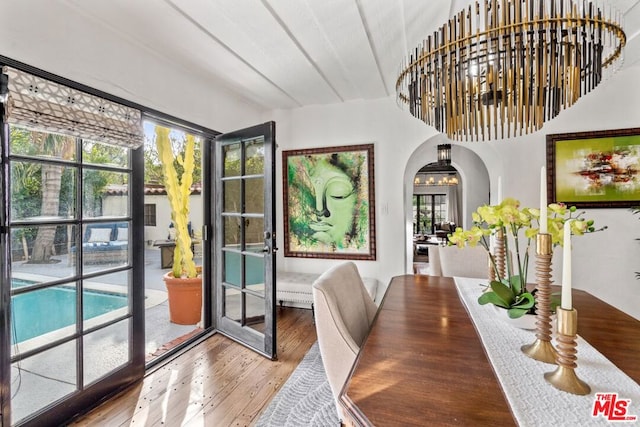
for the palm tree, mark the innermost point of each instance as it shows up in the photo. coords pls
(51, 178)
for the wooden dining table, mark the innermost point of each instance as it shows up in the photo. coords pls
(424, 364)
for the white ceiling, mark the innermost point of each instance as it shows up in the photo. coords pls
(284, 53)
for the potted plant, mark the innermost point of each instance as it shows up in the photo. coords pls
(184, 282)
(517, 226)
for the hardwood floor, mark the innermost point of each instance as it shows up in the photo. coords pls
(217, 383)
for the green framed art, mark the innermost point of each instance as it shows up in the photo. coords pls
(598, 169)
(329, 202)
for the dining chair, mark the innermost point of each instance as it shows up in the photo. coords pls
(435, 268)
(464, 262)
(344, 312)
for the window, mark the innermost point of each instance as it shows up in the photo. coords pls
(150, 214)
(428, 210)
(74, 243)
(68, 246)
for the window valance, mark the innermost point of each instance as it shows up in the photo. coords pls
(40, 104)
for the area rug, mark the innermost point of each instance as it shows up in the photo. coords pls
(305, 399)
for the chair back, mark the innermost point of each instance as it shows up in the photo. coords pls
(464, 262)
(435, 268)
(344, 312)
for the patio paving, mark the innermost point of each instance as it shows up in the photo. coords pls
(158, 329)
(40, 380)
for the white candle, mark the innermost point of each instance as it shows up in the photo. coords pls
(499, 190)
(543, 200)
(565, 301)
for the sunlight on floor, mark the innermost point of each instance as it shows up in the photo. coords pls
(173, 378)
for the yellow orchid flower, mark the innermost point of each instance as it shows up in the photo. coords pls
(509, 218)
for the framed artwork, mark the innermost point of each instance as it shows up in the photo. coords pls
(329, 202)
(597, 169)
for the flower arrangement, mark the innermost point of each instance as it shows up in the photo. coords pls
(518, 226)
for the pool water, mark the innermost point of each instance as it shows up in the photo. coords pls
(254, 268)
(38, 312)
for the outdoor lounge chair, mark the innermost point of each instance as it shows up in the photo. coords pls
(104, 243)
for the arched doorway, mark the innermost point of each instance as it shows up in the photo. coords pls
(436, 207)
(472, 188)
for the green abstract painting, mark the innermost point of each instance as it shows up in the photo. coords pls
(596, 169)
(329, 202)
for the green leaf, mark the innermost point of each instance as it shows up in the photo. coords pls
(515, 313)
(492, 298)
(525, 301)
(504, 292)
(516, 284)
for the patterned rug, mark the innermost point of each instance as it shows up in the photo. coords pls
(305, 399)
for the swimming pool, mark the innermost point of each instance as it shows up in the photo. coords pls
(38, 312)
(254, 267)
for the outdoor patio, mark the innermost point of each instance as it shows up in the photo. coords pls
(158, 330)
(40, 380)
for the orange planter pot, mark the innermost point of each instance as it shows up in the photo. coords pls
(185, 299)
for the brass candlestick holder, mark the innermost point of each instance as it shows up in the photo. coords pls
(564, 377)
(542, 349)
(500, 254)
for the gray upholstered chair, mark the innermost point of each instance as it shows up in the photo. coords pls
(464, 262)
(343, 312)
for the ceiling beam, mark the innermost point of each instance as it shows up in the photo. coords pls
(231, 51)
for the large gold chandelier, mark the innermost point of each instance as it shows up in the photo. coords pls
(501, 68)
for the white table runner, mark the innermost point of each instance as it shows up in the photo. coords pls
(533, 400)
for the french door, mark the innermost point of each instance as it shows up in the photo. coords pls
(72, 307)
(244, 242)
(428, 209)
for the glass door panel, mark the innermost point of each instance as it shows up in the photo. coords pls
(254, 157)
(428, 210)
(111, 341)
(29, 245)
(28, 200)
(94, 205)
(254, 195)
(245, 242)
(231, 190)
(105, 299)
(70, 275)
(42, 379)
(35, 324)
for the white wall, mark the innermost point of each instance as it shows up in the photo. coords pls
(89, 54)
(117, 205)
(604, 262)
(395, 135)
(163, 216)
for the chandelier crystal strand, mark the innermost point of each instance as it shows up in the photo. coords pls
(501, 68)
